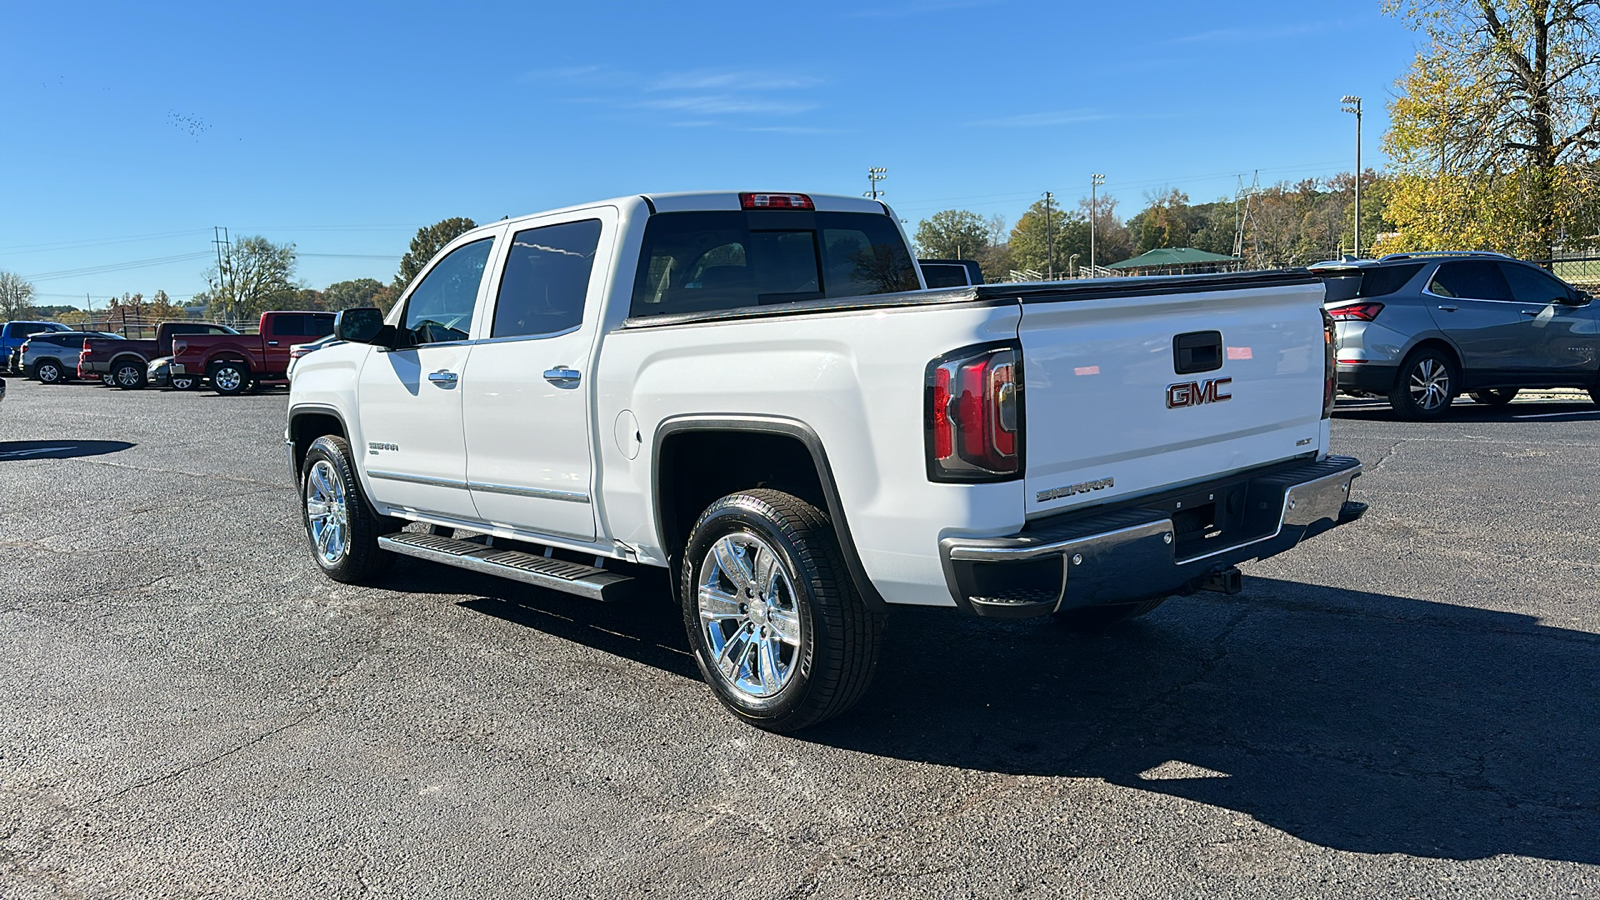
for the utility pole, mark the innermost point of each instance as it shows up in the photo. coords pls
(873, 177)
(1095, 180)
(220, 239)
(1049, 240)
(1356, 110)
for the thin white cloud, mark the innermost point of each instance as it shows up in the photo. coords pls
(695, 98)
(1043, 119)
(728, 105)
(730, 80)
(1243, 35)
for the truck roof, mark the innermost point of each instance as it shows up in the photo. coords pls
(697, 201)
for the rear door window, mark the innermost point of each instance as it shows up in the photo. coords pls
(1470, 280)
(706, 261)
(546, 280)
(1385, 280)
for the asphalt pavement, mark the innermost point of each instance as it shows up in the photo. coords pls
(1407, 707)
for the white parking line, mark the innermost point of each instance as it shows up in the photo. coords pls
(1580, 412)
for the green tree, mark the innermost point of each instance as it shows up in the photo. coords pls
(425, 245)
(351, 294)
(1049, 247)
(953, 234)
(256, 275)
(16, 296)
(1502, 107)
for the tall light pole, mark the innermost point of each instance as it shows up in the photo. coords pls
(873, 177)
(1095, 180)
(1354, 106)
(1049, 240)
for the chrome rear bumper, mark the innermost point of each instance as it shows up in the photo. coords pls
(1152, 547)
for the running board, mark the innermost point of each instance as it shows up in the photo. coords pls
(540, 571)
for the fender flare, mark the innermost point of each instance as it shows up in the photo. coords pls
(776, 425)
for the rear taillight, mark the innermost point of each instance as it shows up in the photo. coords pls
(1330, 343)
(1362, 312)
(974, 415)
(775, 201)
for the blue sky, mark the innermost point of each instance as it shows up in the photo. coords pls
(131, 129)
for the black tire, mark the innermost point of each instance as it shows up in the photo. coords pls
(183, 382)
(128, 374)
(47, 371)
(1594, 394)
(1099, 618)
(229, 379)
(1426, 385)
(1494, 396)
(360, 561)
(835, 648)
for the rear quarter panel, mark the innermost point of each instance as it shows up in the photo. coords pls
(856, 379)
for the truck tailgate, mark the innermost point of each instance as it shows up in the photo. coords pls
(1123, 395)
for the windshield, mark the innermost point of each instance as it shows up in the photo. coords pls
(703, 261)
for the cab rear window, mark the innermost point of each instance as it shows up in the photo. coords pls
(707, 261)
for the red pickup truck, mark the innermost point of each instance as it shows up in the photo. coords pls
(123, 363)
(235, 363)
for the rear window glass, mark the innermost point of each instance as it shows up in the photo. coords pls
(944, 275)
(705, 261)
(1385, 280)
(302, 325)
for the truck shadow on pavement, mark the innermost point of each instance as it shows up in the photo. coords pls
(1357, 721)
(1361, 722)
(13, 450)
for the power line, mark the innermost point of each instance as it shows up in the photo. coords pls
(118, 267)
(96, 242)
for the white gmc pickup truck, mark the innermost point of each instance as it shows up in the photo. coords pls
(756, 392)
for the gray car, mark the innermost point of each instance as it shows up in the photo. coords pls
(1423, 328)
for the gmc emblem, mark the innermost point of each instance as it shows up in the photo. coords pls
(1194, 393)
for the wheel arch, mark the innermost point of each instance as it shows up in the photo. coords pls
(306, 424)
(1432, 342)
(697, 460)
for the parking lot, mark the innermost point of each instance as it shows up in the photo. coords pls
(1407, 707)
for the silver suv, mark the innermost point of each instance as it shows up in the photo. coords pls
(1423, 328)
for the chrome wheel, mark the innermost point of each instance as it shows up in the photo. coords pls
(107, 380)
(1430, 384)
(227, 379)
(326, 513)
(48, 373)
(128, 376)
(750, 615)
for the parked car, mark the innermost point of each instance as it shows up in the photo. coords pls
(52, 356)
(299, 350)
(235, 363)
(12, 334)
(943, 273)
(754, 392)
(1422, 328)
(126, 363)
(159, 374)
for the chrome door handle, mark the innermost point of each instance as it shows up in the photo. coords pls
(272, 343)
(1449, 308)
(1533, 312)
(443, 378)
(561, 376)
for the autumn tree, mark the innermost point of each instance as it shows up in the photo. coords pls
(427, 242)
(1495, 130)
(256, 275)
(16, 296)
(350, 294)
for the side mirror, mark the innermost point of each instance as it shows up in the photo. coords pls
(360, 325)
(1578, 298)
